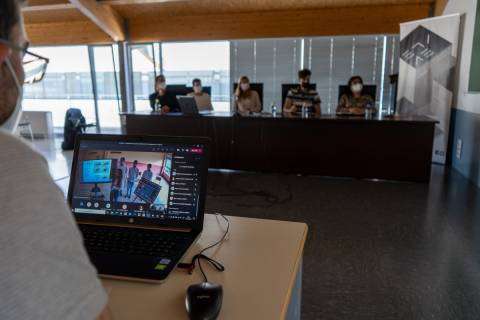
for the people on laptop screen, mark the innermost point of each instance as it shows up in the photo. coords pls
(246, 99)
(303, 97)
(355, 101)
(163, 100)
(202, 99)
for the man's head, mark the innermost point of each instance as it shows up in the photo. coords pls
(135, 163)
(149, 166)
(197, 85)
(11, 67)
(160, 83)
(304, 78)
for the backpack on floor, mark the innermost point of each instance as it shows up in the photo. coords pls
(74, 124)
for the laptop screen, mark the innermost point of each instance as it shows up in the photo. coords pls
(145, 180)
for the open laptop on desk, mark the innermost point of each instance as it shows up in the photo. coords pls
(188, 105)
(139, 201)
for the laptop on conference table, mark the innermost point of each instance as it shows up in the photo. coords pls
(139, 201)
(188, 105)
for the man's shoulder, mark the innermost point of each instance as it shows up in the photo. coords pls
(12, 145)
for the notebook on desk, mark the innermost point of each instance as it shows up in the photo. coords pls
(139, 201)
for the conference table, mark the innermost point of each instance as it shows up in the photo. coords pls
(390, 148)
(262, 277)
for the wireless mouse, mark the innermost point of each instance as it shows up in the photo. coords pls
(204, 301)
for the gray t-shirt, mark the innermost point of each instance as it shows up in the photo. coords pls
(45, 272)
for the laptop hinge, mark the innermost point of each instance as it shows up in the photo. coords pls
(118, 225)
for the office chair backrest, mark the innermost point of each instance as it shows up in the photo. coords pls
(205, 89)
(368, 89)
(178, 89)
(289, 86)
(255, 86)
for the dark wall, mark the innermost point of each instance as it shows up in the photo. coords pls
(466, 126)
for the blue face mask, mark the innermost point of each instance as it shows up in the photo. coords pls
(12, 122)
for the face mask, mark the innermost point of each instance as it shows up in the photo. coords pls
(162, 86)
(305, 84)
(12, 122)
(357, 87)
(197, 89)
(245, 86)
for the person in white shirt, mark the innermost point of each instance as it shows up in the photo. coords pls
(123, 166)
(148, 174)
(204, 103)
(133, 173)
(45, 272)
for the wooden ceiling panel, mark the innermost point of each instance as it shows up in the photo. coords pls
(59, 15)
(61, 33)
(197, 7)
(322, 22)
(59, 22)
(45, 2)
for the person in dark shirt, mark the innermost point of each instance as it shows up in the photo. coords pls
(303, 97)
(163, 100)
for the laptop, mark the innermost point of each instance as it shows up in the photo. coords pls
(139, 201)
(188, 105)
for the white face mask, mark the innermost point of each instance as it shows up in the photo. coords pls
(357, 87)
(197, 89)
(244, 86)
(162, 85)
(12, 122)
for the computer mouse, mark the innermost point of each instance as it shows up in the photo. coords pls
(204, 301)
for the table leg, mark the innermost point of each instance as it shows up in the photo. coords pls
(295, 306)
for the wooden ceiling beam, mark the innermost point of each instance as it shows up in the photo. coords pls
(440, 7)
(103, 16)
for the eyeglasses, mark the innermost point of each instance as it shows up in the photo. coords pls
(34, 65)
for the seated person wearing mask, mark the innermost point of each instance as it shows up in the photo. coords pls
(202, 99)
(302, 96)
(355, 101)
(45, 271)
(163, 100)
(246, 100)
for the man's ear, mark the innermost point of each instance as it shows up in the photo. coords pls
(3, 53)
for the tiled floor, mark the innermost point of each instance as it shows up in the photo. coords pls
(375, 250)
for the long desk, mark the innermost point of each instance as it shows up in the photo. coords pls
(398, 148)
(262, 280)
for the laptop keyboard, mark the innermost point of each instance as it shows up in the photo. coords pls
(134, 241)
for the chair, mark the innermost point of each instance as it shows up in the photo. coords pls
(204, 89)
(289, 86)
(255, 86)
(370, 90)
(22, 126)
(178, 89)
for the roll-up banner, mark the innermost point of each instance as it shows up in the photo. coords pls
(428, 59)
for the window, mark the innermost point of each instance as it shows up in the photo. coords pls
(66, 84)
(145, 67)
(106, 73)
(208, 61)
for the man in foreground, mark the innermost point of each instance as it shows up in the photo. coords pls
(45, 272)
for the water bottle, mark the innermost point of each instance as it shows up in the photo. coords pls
(274, 109)
(304, 111)
(157, 105)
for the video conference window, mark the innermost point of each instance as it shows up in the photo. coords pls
(124, 180)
